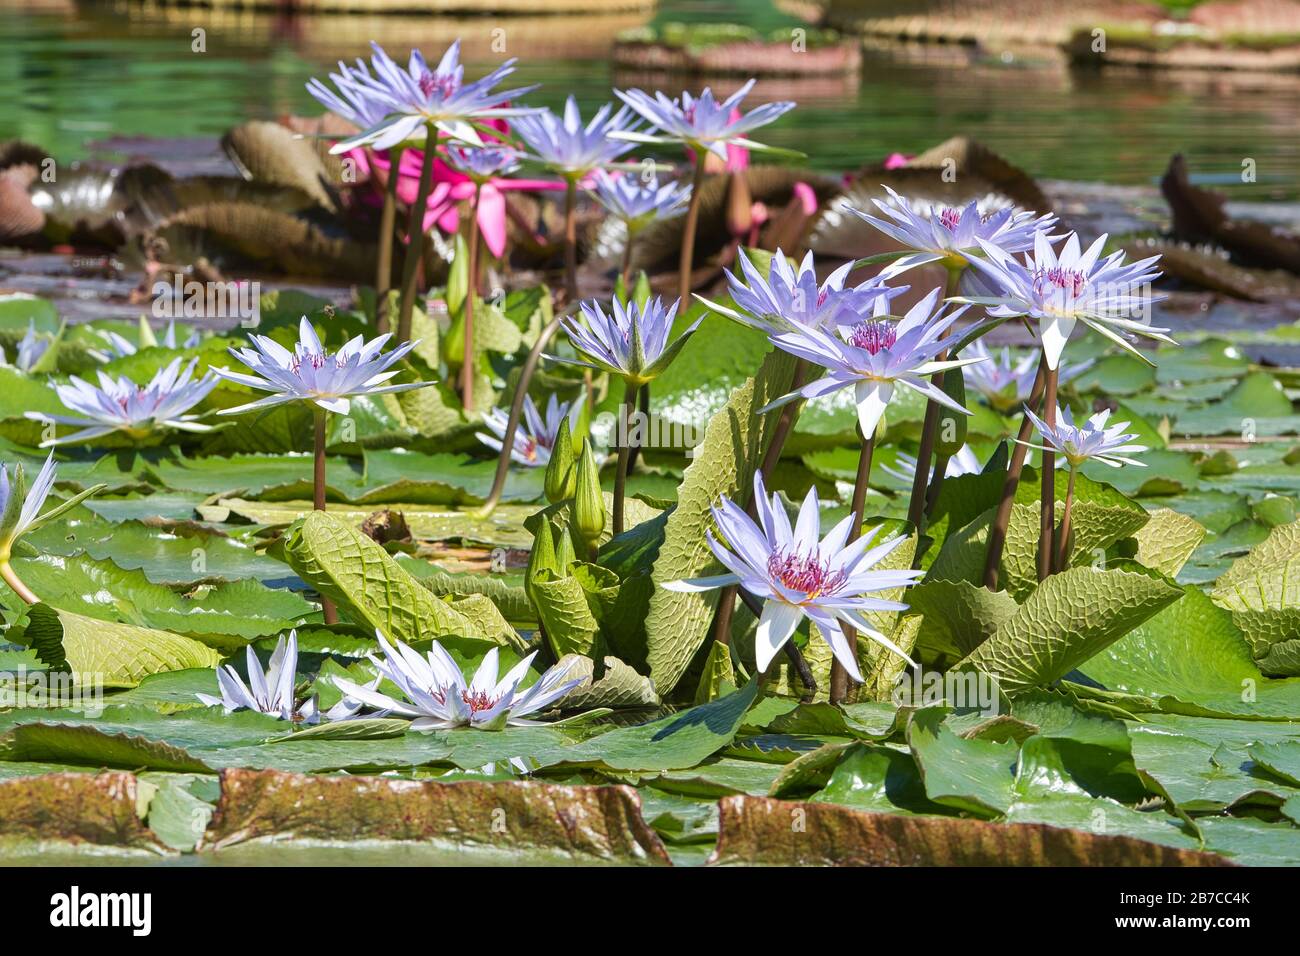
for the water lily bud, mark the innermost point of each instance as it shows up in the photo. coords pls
(561, 473)
(588, 502)
(12, 494)
(950, 433)
(542, 557)
(565, 554)
(458, 278)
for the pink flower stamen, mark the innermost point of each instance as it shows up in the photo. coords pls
(431, 83)
(478, 700)
(875, 336)
(804, 572)
(1069, 280)
(950, 219)
(316, 360)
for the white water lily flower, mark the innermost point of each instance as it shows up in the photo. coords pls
(1090, 441)
(798, 576)
(965, 462)
(876, 356)
(311, 374)
(1058, 291)
(119, 346)
(268, 693)
(20, 506)
(536, 435)
(438, 697)
(136, 410)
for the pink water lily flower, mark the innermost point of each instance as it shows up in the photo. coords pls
(450, 188)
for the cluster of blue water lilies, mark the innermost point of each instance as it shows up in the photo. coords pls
(1000, 265)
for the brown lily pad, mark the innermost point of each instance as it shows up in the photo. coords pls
(257, 235)
(546, 822)
(763, 831)
(1204, 269)
(1199, 216)
(270, 153)
(73, 808)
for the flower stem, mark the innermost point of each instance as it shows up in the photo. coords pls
(15, 583)
(1063, 532)
(687, 261)
(839, 675)
(1002, 517)
(467, 365)
(643, 405)
(784, 425)
(415, 236)
(387, 225)
(318, 492)
(921, 481)
(624, 453)
(1047, 514)
(571, 241)
(516, 412)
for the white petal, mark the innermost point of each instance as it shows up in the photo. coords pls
(774, 628)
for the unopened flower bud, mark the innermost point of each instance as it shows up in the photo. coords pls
(561, 471)
(565, 554)
(588, 502)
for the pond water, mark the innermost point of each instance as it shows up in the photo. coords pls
(75, 72)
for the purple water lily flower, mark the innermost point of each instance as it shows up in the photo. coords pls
(787, 300)
(416, 97)
(136, 410)
(358, 98)
(310, 373)
(438, 697)
(1090, 441)
(631, 342)
(876, 356)
(701, 123)
(937, 233)
(31, 349)
(797, 576)
(535, 439)
(20, 506)
(483, 164)
(1060, 290)
(637, 201)
(565, 146)
(1006, 380)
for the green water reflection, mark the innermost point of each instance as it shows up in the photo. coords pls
(90, 70)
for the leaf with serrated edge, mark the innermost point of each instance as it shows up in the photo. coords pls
(733, 446)
(1069, 618)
